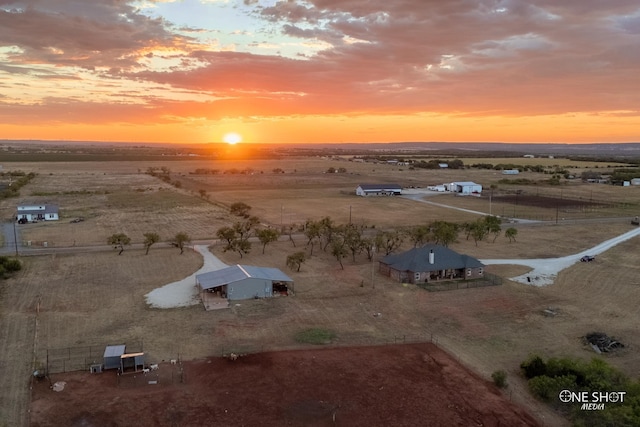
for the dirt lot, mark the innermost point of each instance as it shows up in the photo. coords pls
(403, 385)
(98, 298)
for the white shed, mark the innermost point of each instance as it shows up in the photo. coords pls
(465, 187)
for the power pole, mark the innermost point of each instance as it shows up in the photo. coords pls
(15, 237)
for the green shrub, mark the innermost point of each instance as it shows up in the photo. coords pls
(548, 379)
(533, 367)
(499, 378)
(9, 265)
(315, 336)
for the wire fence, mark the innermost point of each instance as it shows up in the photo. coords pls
(68, 359)
(232, 349)
(452, 285)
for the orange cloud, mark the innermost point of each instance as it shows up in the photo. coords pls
(323, 71)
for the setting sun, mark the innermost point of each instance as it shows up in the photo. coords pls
(232, 138)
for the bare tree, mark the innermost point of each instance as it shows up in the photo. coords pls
(240, 209)
(352, 237)
(419, 234)
(389, 241)
(266, 236)
(180, 240)
(150, 239)
(119, 240)
(289, 230)
(312, 232)
(444, 233)
(338, 249)
(295, 260)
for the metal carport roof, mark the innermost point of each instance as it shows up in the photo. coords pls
(235, 273)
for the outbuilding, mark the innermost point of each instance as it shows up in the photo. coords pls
(464, 187)
(116, 357)
(241, 282)
(379, 190)
(112, 356)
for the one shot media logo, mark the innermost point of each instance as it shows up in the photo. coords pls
(592, 401)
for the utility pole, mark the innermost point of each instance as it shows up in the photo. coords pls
(15, 237)
(373, 256)
(490, 194)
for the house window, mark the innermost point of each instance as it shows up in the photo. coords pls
(468, 272)
(417, 276)
(480, 271)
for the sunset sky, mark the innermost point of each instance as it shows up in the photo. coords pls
(320, 70)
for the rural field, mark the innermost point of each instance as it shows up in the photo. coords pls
(93, 297)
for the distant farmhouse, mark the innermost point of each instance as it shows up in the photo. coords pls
(430, 263)
(241, 282)
(34, 212)
(379, 190)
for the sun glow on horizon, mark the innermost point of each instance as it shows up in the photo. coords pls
(232, 138)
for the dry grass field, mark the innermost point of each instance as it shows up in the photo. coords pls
(98, 298)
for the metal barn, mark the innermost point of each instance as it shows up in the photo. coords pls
(240, 282)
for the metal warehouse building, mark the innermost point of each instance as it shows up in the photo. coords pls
(240, 282)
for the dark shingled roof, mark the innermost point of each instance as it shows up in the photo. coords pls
(417, 259)
(380, 187)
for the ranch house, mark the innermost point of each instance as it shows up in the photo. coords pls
(378, 190)
(240, 282)
(430, 263)
(43, 212)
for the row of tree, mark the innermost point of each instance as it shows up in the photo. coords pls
(344, 240)
(341, 240)
(121, 240)
(17, 180)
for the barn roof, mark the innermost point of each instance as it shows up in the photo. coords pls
(114, 350)
(417, 259)
(235, 273)
(374, 187)
(47, 209)
(465, 183)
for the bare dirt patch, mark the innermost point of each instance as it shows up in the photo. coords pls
(404, 385)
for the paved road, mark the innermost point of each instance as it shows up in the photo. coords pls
(11, 234)
(10, 247)
(419, 196)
